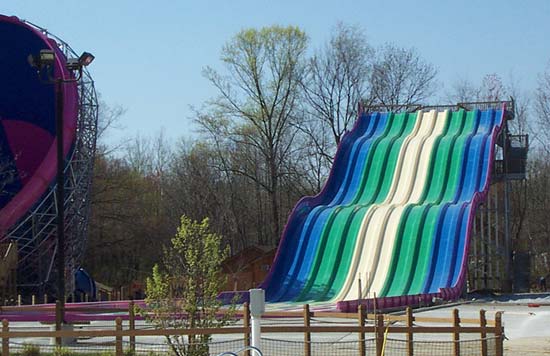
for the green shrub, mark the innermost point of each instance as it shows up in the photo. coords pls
(30, 350)
(62, 351)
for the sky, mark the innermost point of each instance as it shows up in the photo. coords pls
(150, 54)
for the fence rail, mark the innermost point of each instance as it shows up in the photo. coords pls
(50, 308)
(382, 327)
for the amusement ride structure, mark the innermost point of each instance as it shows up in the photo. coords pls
(44, 83)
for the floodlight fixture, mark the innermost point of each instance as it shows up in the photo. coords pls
(46, 58)
(73, 64)
(77, 64)
(85, 59)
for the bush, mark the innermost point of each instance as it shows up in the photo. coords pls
(61, 351)
(30, 350)
(182, 292)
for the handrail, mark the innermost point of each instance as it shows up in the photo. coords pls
(509, 104)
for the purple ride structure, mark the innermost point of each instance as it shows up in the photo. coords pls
(28, 162)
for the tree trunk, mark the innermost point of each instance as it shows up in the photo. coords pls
(274, 203)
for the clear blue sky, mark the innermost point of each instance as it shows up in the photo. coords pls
(149, 54)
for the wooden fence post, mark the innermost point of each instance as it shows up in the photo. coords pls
(132, 325)
(19, 300)
(483, 325)
(5, 340)
(374, 306)
(410, 318)
(307, 334)
(361, 319)
(456, 332)
(45, 298)
(379, 334)
(33, 299)
(246, 324)
(58, 322)
(118, 339)
(499, 334)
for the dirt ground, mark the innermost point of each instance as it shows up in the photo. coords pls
(526, 320)
(528, 346)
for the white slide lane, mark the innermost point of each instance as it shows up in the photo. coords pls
(372, 256)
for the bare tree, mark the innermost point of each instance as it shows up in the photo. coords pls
(257, 101)
(493, 88)
(108, 120)
(316, 154)
(337, 79)
(462, 91)
(542, 109)
(522, 123)
(400, 77)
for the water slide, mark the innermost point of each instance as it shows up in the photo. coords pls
(395, 216)
(27, 119)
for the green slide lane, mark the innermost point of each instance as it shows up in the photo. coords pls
(339, 234)
(412, 222)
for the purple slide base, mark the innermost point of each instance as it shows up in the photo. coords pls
(72, 312)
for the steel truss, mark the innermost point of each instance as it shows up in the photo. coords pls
(492, 263)
(35, 233)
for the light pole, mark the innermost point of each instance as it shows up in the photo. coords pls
(44, 63)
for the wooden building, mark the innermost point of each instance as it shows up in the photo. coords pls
(248, 268)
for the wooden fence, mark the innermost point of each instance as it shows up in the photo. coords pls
(115, 295)
(380, 325)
